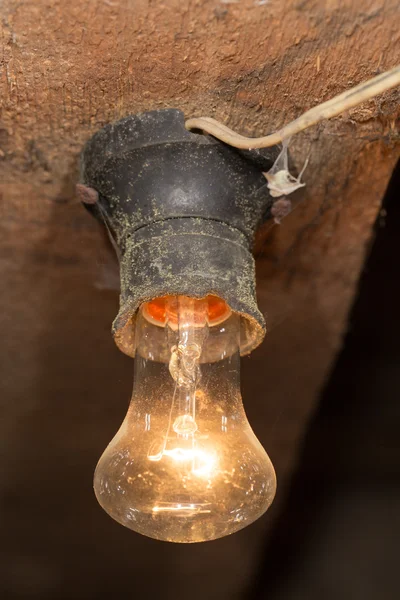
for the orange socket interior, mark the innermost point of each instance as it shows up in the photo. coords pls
(160, 309)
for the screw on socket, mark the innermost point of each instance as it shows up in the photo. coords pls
(86, 195)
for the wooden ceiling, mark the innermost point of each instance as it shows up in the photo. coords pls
(66, 69)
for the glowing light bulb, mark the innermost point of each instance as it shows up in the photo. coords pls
(185, 465)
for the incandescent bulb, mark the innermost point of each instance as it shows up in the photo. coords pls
(185, 465)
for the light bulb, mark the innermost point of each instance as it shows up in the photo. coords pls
(185, 465)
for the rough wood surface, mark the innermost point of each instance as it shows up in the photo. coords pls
(66, 69)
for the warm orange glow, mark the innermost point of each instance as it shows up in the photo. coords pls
(202, 464)
(156, 310)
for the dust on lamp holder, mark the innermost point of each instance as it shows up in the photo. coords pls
(181, 209)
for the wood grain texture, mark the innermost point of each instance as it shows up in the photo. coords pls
(66, 69)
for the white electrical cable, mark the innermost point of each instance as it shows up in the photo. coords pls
(337, 105)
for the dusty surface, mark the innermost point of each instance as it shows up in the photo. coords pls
(66, 69)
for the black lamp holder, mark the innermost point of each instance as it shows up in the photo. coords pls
(182, 210)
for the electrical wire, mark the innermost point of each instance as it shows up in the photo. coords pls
(337, 105)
